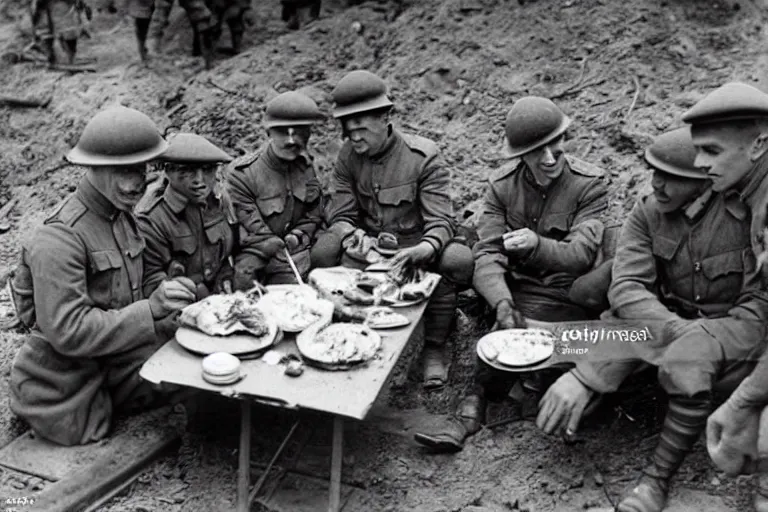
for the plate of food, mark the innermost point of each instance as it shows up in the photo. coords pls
(338, 346)
(293, 306)
(385, 318)
(232, 323)
(512, 348)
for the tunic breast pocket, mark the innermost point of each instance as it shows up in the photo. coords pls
(556, 225)
(400, 210)
(183, 247)
(106, 279)
(269, 206)
(724, 274)
(219, 241)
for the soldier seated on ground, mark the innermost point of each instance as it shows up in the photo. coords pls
(394, 188)
(540, 230)
(92, 328)
(277, 196)
(188, 225)
(684, 260)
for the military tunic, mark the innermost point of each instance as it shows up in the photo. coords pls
(198, 12)
(684, 265)
(404, 190)
(273, 198)
(565, 215)
(94, 328)
(201, 239)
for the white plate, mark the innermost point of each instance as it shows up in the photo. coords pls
(391, 321)
(235, 344)
(516, 347)
(281, 303)
(366, 346)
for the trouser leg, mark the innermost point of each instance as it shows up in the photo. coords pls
(236, 30)
(141, 26)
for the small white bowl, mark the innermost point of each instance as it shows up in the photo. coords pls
(221, 368)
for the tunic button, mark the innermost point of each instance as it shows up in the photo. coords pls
(697, 266)
(207, 272)
(535, 219)
(698, 298)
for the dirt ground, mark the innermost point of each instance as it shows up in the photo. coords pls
(625, 72)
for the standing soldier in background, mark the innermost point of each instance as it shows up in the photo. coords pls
(92, 328)
(188, 228)
(62, 20)
(290, 11)
(199, 17)
(389, 185)
(277, 196)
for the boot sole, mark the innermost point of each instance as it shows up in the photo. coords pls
(439, 444)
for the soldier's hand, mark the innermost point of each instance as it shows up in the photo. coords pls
(732, 435)
(520, 241)
(507, 317)
(226, 286)
(418, 255)
(563, 404)
(292, 242)
(171, 296)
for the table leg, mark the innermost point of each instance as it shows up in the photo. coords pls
(336, 460)
(244, 466)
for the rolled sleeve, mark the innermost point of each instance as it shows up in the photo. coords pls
(66, 314)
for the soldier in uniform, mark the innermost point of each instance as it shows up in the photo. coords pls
(386, 181)
(277, 196)
(62, 20)
(200, 18)
(207, 18)
(92, 327)
(188, 227)
(730, 131)
(684, 260)
(540, 230)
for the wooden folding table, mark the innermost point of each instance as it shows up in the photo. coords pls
(343, 394)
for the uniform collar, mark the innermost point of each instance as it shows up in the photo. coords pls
(392, 138)
(733, 204)
(95, 200)
(531, 179)
(752, 183)
(174, 199)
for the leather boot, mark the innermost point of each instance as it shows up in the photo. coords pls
(50, 52)
(470, 415)
(142, 29)
(70, 48)
(236, 30)
(761, 492)
(685, 421)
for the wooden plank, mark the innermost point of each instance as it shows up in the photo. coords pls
(75, 493)
(82, 475)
